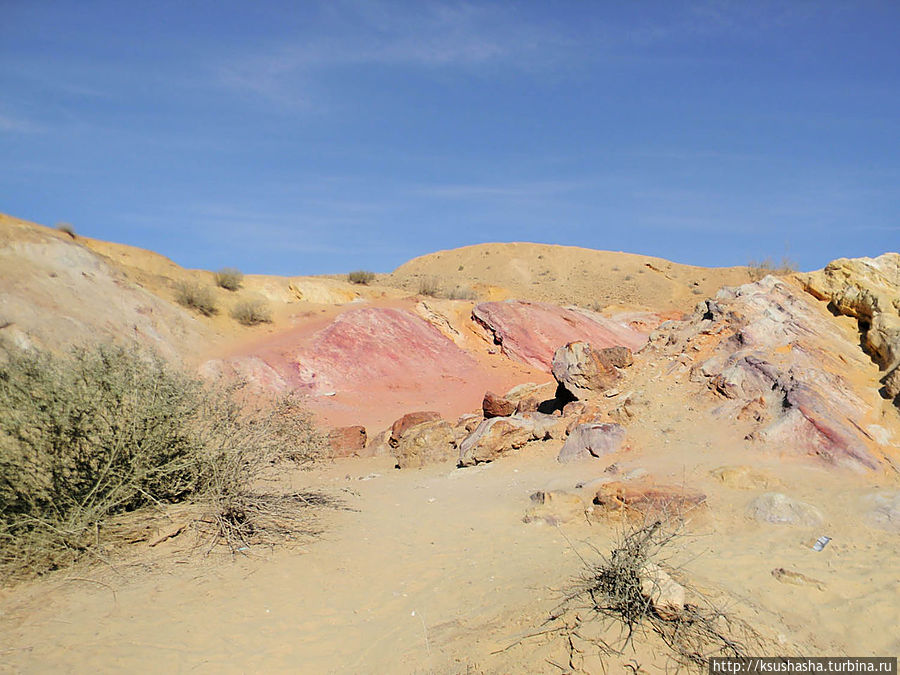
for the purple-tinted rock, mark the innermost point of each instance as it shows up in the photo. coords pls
(592, 440)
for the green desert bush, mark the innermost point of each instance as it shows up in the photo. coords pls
(111, 430)
(196, 297)
(229, 278)
(363, 277)
(251, 312)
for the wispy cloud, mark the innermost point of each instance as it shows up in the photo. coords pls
(435, 35)
(15, 125)
(432, 35)
(527, 189)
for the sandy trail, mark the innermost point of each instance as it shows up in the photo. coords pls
(438, 552)
(434, 570)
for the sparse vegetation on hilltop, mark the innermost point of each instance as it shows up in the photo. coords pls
(759, 269)
(429, 286)
(363, 277)
(433, 287)
(110, 430)
(66, 228)
(461, 293)
(229, 278)
(196, 297)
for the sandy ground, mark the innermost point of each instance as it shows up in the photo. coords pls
(435, 571)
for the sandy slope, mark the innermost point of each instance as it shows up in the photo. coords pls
(435, 571)
(567, 275)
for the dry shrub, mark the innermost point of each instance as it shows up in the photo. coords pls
(430, 286)
(758, 269)
(196, 297)
(251, 312)
(617, 591)
(363, 277)
(462, 293)
(229, 278)
(111, 430)
(66, 228)
(433, 287)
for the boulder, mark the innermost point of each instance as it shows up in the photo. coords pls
(648, 499)
(426, 443)
(582, 370)
(779, 509)
(529, 403)
(891, 383)
(555, 507)
(399, 427)
(378, 445)
(858, 287)
(883, 340)
(867, 289)
(592, 440)
(532, 397)
(742, 477)
(496, 406)
(467, 423)
(577, 413)
(883, 511)
(619, 357)
(348, 441)
(498, 436)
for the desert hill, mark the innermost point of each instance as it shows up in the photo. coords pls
(539, 272)
(488, 439)
(79, 288)
(565, 275)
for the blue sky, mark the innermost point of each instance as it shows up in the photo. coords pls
(305, 137)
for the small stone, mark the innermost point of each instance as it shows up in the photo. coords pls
(779, 509)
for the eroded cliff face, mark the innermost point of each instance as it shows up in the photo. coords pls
(776, 360)
(56, 293)
(867, 289)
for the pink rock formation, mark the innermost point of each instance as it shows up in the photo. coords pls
(371, 365)
(531, 332)
(777, 358)
(372, 345)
